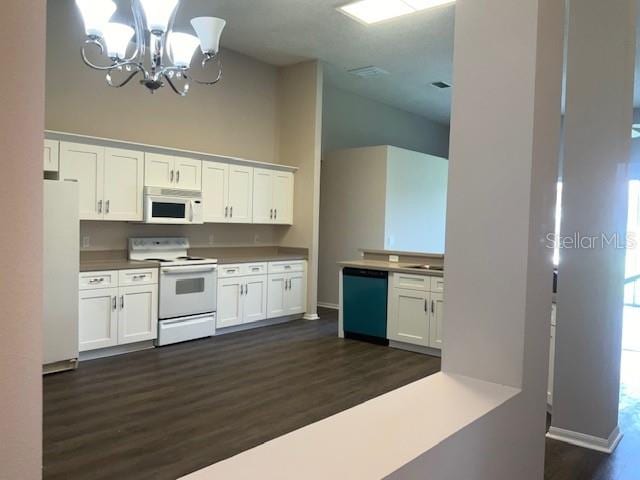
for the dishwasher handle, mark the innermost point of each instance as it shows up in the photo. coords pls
(362, 272)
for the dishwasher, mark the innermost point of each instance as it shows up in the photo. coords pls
(365, 304)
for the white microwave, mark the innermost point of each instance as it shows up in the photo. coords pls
(166, 205)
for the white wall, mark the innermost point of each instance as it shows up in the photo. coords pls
(352, 121)
(22, 40)
(416, 207)
(352, 206)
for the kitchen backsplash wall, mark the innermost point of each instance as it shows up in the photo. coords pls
(114, 235)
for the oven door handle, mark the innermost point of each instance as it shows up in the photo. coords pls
(181, 270)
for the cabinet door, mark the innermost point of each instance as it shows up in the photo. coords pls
(215, 191)
(263, 208)
(255, 299)
(51, 155)
(159, 170)
(188, 174)
(138, 315)
(98, 319)
(283, 198)
(296, 298)
(408, 320)
(123, 185)
(276, 291)
(229, 302)
(240, 194)
(435, 320)
(85, 164)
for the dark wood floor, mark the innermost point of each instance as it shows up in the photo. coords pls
(566, 462)
(163, 413)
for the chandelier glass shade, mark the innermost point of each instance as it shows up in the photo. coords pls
(170, 53)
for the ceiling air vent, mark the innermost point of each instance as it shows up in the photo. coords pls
(368, 72)
(441, 85)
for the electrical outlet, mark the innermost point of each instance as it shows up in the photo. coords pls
(86, 242)
(211, 239)
(256, 238)
(394, 258)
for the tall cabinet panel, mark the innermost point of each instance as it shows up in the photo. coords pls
(262, 196)
(123, 185)
(85, 165)
(283, 198)
(240, 194)
(215, 191)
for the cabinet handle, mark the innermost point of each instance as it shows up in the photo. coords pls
(178, 176)
(275, 214)
(426, 308)
(93, 281)
(107, 206)
(122, 302)
(241, 289)
(171, 175)
(231, 212)
(114, 303)
(271, 214)
(433, 306)
(226, 212)
(246, 289)
(99, 206)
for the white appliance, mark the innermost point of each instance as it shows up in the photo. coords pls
(188, 287)
(60, 275)
(167, 205)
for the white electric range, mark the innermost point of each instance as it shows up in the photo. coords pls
(188, 285)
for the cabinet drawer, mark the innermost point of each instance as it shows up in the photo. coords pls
(148, 276)
(228, 271)
(437, 284)
(92, 280)
(253, 268)
(287, 267)
(412, 282)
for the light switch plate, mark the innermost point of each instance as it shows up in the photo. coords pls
(394, 258)
(86, 242)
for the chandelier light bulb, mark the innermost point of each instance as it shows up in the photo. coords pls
(117, 37)
(96, 14)
(158, 14)
(182, 46)
(209, 30)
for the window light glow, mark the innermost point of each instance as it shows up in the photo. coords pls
(374, 11)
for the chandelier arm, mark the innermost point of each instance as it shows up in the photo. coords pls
(125, 81)
(208, 58)
(183, 92)
(141, 39)
(83, 53)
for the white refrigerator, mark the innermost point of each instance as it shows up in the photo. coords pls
(61, 268)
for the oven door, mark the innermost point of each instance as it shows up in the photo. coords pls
(168, 210)
(187, 290)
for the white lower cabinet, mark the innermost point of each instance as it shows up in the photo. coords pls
(241, 299)
(98, 319)
(113, 313)
(415, 313)
(138, 316)
(251, 292)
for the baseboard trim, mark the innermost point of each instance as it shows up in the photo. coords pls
(605, 445)
(331, 306)
(252, 326)
(434, 352)
(311, 316)
(114, 351)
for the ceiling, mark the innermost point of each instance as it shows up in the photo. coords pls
(416, 50)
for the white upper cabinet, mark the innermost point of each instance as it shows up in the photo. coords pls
(110, 181)
(51, 155)
(215, 191)
(240, 194)
(273, 197)
(159, 170)
(123, 185)
(167, 171)
(227, 192)
(188, 174)
(85, 165)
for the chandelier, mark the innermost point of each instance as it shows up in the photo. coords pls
(170, 53)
